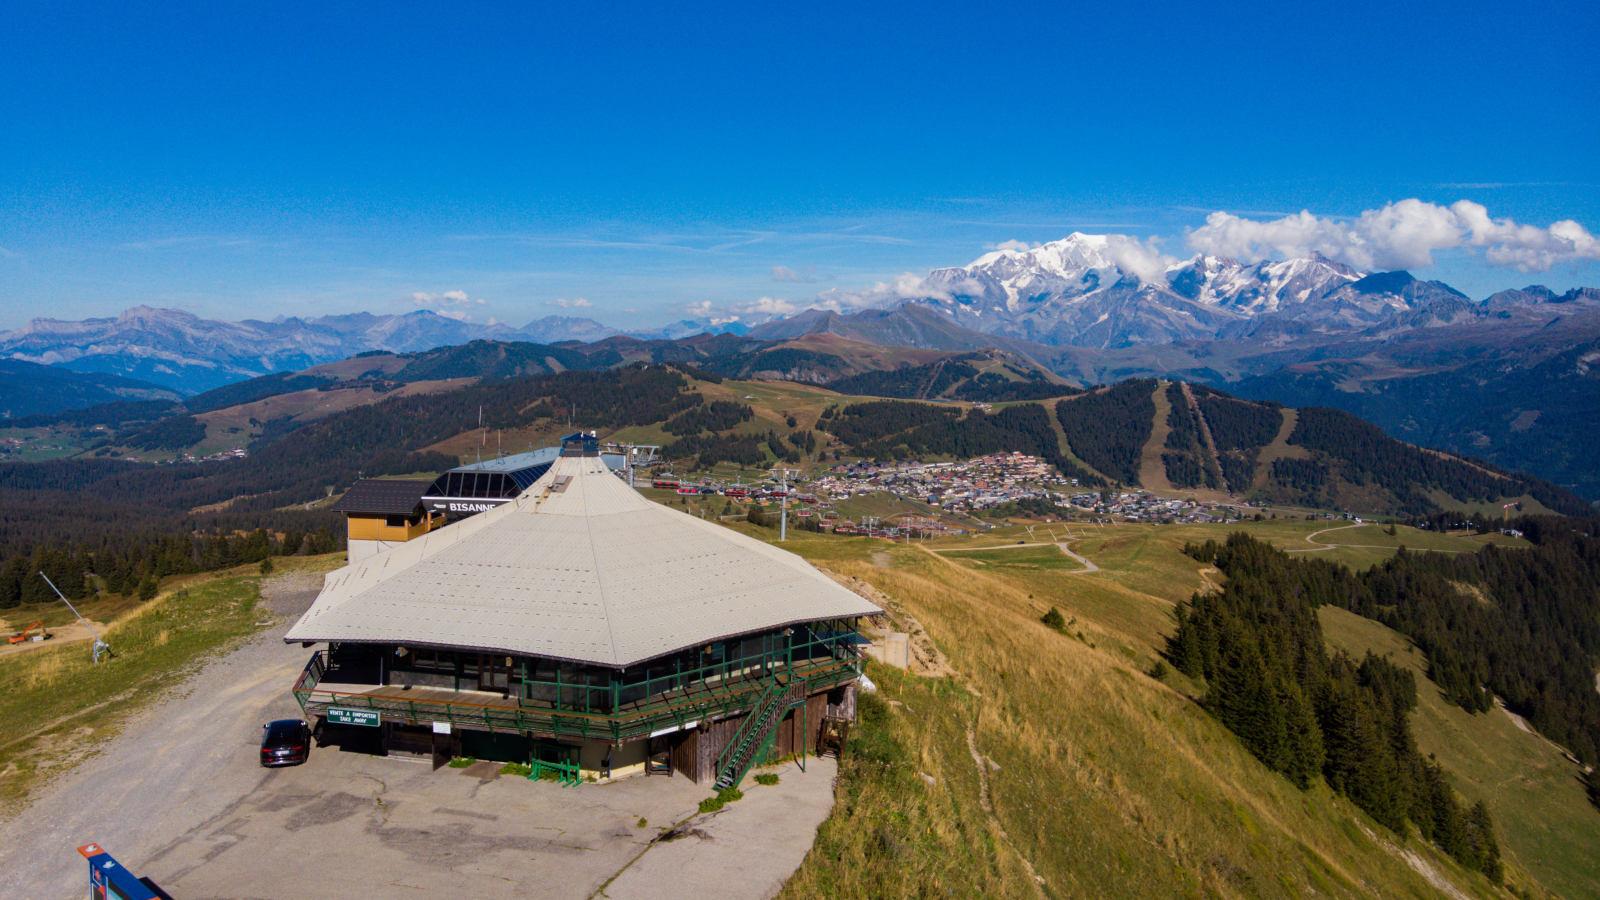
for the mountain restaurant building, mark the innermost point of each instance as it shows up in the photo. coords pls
(590, 631)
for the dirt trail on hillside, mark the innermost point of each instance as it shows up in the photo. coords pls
(1321, 547)
(1311, 539)
(927, 660)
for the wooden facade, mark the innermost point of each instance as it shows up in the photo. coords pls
(694, 752)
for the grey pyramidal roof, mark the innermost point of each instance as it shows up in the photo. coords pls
(580, 567)
(382, 496)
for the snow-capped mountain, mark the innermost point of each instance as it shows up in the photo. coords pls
(1111, 291)
(177, 349)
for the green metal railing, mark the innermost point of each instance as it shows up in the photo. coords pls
(564, 773)
(758, 732)
(701, 703)
(747, 728)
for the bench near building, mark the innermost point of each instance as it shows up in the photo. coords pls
(588, 629)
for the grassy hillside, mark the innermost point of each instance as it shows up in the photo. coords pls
(1547, 823)
(1051, 764)
(57, 705)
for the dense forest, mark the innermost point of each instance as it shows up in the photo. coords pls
(991, 387)
(1259, 648)
(1520, 624)
(255, 389)
(113, 414)
(862, 423)
(173, 433)
(709, 449)
(906, 382)
(83, 503)
(1108, 429)
(131, 564)
(895, 429)
(1187, 459)
(791, 362)
(957, 379)
(718, 415)
(1368, 456)
(1239, 429)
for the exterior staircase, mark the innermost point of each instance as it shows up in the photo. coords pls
(755, 736)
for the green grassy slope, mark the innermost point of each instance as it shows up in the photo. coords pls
(1547, 824)
(1056, 757)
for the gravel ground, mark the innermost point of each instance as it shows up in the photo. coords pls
(178, 796)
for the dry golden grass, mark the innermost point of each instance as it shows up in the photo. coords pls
(1109, 782)
(1152, 470)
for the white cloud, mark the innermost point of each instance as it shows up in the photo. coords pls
(578, 303)
(905, 286)
(1017, 246)
(784, 273)
(765, 307)
(448, 298)
(1401, 235)
(1138, 258)
(457, 314)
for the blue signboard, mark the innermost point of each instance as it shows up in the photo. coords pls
(108, 880)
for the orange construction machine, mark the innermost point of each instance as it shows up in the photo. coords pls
(23, 635)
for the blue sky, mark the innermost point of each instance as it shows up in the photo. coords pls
(647, 160)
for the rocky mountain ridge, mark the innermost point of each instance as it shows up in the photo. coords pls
(1107, 292)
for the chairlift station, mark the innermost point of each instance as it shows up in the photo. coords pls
(586, 629)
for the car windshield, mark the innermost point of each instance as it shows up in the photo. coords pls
(283, 732)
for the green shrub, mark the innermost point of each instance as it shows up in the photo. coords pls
(767, 778)
(516, 768)
(1054, 619)
(723, 798)
(461, 762)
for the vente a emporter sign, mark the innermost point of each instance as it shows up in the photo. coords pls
(338, 716)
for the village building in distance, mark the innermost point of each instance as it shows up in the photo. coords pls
(586, 629)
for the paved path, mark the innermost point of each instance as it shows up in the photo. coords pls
(179, 797)
(1087, 565)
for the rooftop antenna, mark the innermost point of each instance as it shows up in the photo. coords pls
(100, 646)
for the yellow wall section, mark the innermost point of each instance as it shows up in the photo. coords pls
(374, 528)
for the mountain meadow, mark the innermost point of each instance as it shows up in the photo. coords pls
(1290, 701)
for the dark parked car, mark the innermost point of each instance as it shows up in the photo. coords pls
(286, 742)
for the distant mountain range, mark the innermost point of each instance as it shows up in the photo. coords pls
(185, 353)
(1094, 291)
(1512, 379)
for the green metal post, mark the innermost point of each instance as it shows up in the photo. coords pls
(805, 733)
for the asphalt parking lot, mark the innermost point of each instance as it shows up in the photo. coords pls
(179, 797)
